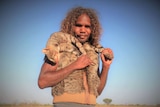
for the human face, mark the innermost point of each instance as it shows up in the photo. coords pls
(82, 28)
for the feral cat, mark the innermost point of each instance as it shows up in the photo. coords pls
(65, 48)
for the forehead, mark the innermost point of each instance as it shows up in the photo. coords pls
(83, 19)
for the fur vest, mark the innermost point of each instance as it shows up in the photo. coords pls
(66, 48)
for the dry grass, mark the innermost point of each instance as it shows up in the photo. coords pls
(47, 105)
(126, 106)
(25, 105)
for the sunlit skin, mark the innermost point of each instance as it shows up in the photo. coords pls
(82, 28)
(50, 76)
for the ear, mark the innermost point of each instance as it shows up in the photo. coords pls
(45, 50)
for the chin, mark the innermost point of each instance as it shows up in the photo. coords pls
(82, 42)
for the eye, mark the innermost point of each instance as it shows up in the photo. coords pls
(56, 45)
(78, 25)
(87, 26)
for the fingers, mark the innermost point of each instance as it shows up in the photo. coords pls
(88, 60)
(102, 57)
(109, 54)
(85, 59)
(107, 50)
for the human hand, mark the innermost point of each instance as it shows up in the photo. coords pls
(82, 62)
(107, 56)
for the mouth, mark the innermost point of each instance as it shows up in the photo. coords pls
(81, 36)
(82, 39)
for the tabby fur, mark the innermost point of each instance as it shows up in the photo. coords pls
(65, 49)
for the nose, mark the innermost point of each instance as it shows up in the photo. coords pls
(83, 29)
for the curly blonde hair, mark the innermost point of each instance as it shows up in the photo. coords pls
(71, 18)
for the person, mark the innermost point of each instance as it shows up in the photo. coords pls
(83, 23)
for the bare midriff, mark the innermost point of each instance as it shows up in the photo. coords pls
(83, 97)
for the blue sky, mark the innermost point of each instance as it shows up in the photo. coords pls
(131, 28)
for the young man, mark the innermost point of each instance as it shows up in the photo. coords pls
(82, 23)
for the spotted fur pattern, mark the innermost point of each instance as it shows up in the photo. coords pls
(65, 49)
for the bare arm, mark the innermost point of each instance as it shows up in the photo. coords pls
(50, 76)
(104, 72)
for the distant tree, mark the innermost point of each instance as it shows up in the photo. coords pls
(107, 101)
